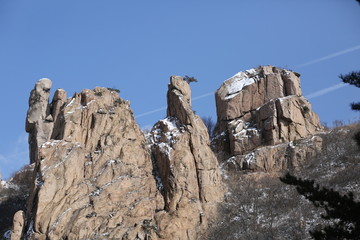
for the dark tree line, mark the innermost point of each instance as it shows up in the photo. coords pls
(342, 211)
(352, 78)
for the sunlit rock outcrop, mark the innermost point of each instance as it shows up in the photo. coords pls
(186, 166)
(264, 107)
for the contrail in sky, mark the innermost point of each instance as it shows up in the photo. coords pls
(310, 96)
(329, 56)
(150, 112)
(163, 108)
(325, 91)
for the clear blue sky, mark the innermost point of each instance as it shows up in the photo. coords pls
(136, 45)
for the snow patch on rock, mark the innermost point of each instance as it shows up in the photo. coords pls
(240, 80)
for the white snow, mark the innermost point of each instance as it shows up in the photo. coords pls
(70, 103)
(45, 168)
(170, 123)
(51, 143)
(251, 71)
(7, 234)
(4, 183)
(171, 135)
(249, 158)
(236, 83)
(58, 219)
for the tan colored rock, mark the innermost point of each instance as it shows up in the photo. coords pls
(37, 120)
(279, 157)
(95, 180)
(261, 107)
(58, 102)
(38, 103)
(187, 168)
(18, 225)
(246, 91)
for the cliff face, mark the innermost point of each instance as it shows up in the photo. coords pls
(187, 167)
(96, 176)
(264, 107)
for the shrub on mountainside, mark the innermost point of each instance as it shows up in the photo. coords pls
(251, 208)
(13, 196)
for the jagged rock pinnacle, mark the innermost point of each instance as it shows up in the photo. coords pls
(38, 121)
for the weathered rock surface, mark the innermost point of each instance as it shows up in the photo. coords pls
(39, 122)
(95, 178)
(276, 158)
(187, 168)
(18, 225)
(263, 107)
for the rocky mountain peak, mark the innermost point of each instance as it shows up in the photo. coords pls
(263, 107)
(186, 165)
(96, 176)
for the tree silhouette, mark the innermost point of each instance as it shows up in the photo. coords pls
(189, 79)
(342, 211)
(352, 78)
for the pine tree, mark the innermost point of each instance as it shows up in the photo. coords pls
(352, 78)
(189, 79)
(342, 211)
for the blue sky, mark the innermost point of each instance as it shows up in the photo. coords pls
(136, 45)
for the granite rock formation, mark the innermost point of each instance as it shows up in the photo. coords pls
(186, 166)
(39, 122)
(95, 176)
(264, 107)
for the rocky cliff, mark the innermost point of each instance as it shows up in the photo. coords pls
(97, 176)
(264, 122)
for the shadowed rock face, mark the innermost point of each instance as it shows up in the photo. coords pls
(263, 107)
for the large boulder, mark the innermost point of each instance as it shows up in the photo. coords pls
(18, 225)
(262, 107)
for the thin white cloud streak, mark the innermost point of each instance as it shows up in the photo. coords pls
(325, 91)
(310, 96)
(163, 108)
(333, 55)
(203, 96)
(150, 112)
